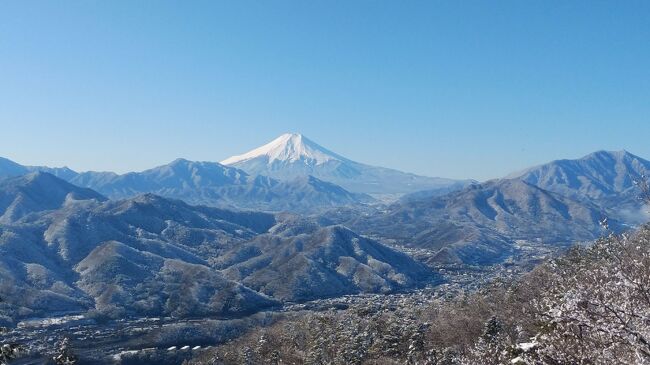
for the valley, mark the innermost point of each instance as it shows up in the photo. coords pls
(167, 340)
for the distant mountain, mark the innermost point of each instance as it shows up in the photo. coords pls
(213, 184)
(36, 192)
(320, 263)
(9, 168)
(559, 202)
(141, 256)
(597, 176)
(208, 183)
(176, 178)
(431, 193)
(480, 223)
(293, 155)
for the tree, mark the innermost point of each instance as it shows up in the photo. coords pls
(64, 354)
(9, 352)
(493, 347)
(598, 310)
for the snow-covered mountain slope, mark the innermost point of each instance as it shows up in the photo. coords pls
(210, 183)
(152, 256)
(480, 223)
(141, 256)
(289, 147)
(323, 262)
(605, 177)
(294, 155)
(37, 192)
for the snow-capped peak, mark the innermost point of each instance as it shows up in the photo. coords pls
(289, 147)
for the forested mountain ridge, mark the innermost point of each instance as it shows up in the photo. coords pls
(72, 250)
(588, 306)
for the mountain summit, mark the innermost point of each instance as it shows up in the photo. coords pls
(289, 147)
(293, 155)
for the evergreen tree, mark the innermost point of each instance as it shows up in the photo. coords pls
(64, 354)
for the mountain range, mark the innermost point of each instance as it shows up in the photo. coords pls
(209, 239)
(480, 224)
(292, 173)
(76, 251)
(120, 257)
(208, 183)
(560, 203)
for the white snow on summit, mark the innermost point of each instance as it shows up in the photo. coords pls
(290, 147)
(293, 156)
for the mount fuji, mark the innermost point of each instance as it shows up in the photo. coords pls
(293, 155)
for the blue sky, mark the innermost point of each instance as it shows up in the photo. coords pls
(465, 89)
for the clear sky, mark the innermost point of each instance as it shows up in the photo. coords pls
(464, 89)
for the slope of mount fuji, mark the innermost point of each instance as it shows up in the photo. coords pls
(289, 147)
(294, 155)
